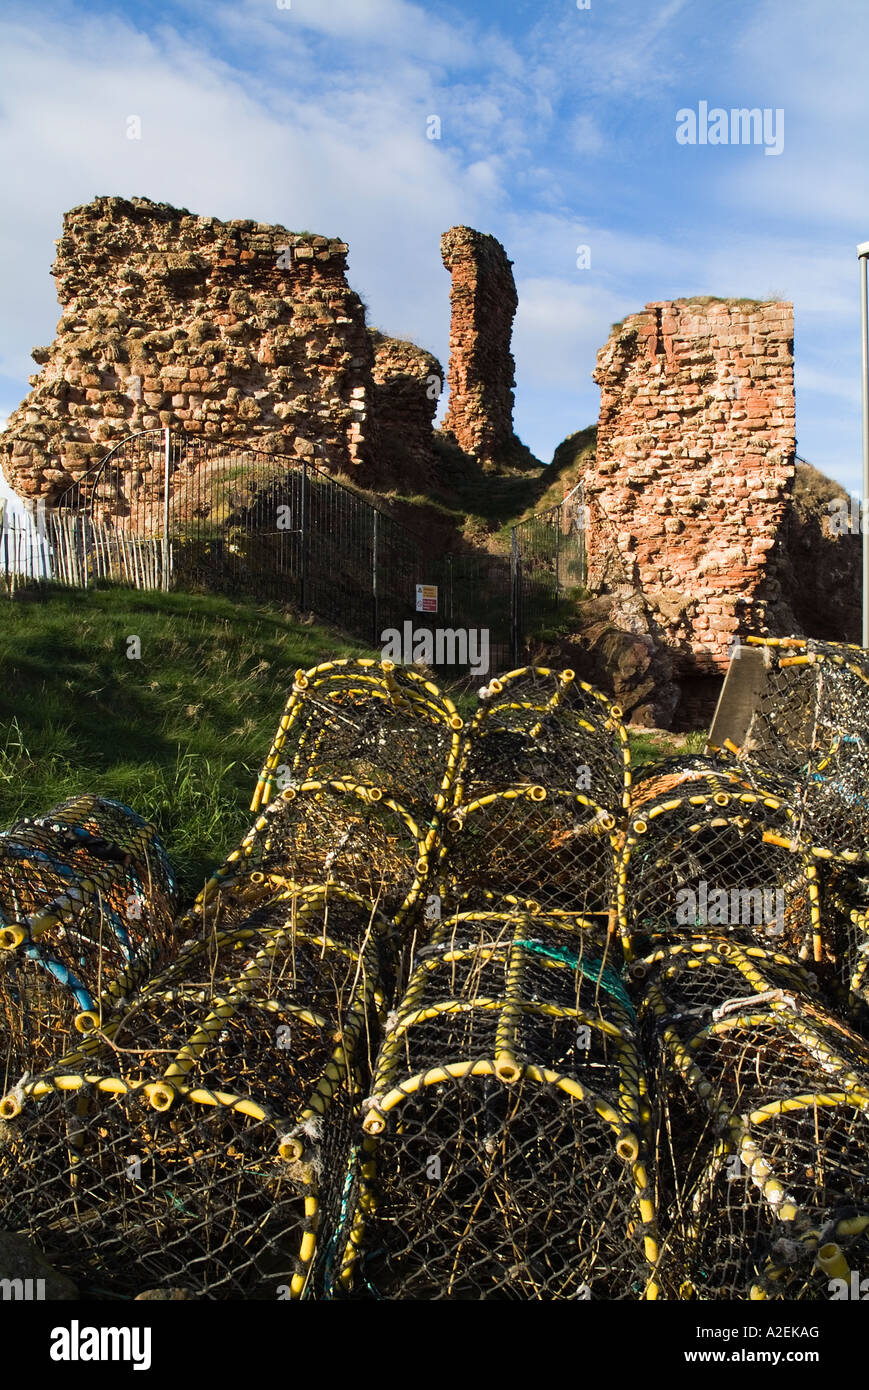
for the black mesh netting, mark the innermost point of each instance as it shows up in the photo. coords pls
(708, 853)
(810, 729)
(200, 1137)
(760, 1113)
(508, 1125)
(87, 898)
(536, 727)
(470, 1012)
(367, 722)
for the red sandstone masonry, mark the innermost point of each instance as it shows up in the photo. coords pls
(695, 462)
(202, 325)
(407, 384)
(483, 300)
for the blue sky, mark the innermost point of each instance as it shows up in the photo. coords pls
(558, 129)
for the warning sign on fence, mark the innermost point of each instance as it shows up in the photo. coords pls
(426, 598)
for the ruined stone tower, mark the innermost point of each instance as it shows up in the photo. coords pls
(239, 332)
(483, 300)
(695, 465)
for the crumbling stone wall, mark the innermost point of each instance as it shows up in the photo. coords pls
(483, 300)
(407, 385)
(694, 467)
(236, 331)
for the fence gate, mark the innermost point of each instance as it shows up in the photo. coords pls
(113, 522)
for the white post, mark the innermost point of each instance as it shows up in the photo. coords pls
(863, 252)
(166, 508)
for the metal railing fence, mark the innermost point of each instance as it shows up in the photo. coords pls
(166, 511)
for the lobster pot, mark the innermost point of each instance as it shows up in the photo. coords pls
(811, 726)
(107, 831)
(506, 1155)
(717, 859)
(845, 914)
(337, 832)
(680, 986)
(87, 898)
(692, 772)
(369, 722)
(300, 957)
(550, 851)
(735, 1039)
(546, 728)
(821, 1255)
(793, 1157)
(685, 982)
(202, 1138)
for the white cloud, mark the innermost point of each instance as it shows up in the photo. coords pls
(315, 117)
(357, 165)
(585, 135)
(835, 385)
(559, 328)
(385, 24)
(809, 60)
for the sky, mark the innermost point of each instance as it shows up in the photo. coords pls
(558, 129)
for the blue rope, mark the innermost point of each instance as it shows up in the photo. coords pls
(63, 975)
(24, 851)
(329, 1260)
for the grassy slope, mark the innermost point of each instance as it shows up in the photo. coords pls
(479, 502)
(660, 743)
(179, 735)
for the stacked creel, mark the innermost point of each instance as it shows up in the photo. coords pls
(508, 1126)
(762, 1114)
(87, 900)
(470, 1012)
(712, 851)
(232, 1081)
(199, 1139)
(543, 781)
(809, 736)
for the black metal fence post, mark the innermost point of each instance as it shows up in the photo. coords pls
(303, 527)
(164, 580)
(374, 597)
(514, 597)
(583, 537)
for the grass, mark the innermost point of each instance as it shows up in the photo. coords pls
(179, 735)
(648, 748)
(480, 503)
